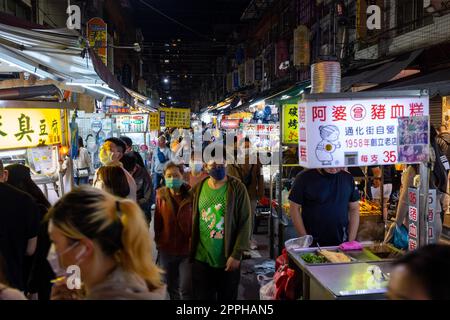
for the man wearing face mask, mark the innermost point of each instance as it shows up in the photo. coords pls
(324, 203)
(173, 227)
(220, 233)
(110, 154)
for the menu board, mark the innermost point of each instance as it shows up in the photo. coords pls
(132, 123)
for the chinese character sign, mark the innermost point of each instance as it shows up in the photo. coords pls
(98, 38)
(154, 121)
(23, 128)
(355, 132)
(413, 218)
(290, 124)
(175, 118)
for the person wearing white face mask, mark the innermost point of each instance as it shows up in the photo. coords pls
(108, 240)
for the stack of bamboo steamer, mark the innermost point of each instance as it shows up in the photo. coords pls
(326, 77)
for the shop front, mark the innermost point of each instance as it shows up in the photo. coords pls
(359, 130)
(35, 134)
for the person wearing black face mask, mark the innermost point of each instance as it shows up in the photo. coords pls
(324, 203)
(220, 234)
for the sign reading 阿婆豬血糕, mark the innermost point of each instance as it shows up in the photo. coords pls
(23, 128)
(349, 132)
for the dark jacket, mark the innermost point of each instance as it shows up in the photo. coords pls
(237, 223)
(144, 189)
(173, 222)
(252, 172)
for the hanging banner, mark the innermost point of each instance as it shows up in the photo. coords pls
(175, 118)
(23, 128)
(344, 132)
(302, 48)
(290, 124)
(97, 35)
(153, 121)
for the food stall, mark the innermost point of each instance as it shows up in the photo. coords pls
(35, 133)
(346, 130)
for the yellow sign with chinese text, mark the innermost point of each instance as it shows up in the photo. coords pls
(290, 124)
(175, 118)
(153, 121)
(24, 128)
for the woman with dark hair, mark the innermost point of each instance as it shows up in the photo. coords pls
(37, 270)
(20, 178)
(113, 180)
(422, 275)
(7, 293)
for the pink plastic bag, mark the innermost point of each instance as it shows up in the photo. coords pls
(349, 246)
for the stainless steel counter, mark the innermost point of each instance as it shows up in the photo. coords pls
(341, 280)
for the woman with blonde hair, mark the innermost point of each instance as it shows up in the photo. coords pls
(108, 239)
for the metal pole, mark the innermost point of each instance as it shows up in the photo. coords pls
(423, 204)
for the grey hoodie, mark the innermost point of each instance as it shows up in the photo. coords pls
(122, 285)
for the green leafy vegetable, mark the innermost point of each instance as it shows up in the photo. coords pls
(313, 258)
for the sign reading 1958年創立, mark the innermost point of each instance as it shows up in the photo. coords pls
(23, 128)
(344, 132)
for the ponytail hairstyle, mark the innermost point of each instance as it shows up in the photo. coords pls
(117, 225)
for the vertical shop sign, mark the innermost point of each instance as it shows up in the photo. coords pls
(302, 47)
(97, 34)
(431, 217)
(413, 218)
(154, 122)
(290, 124)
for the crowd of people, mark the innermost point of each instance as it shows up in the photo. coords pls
(203, 222)
(202, 225)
